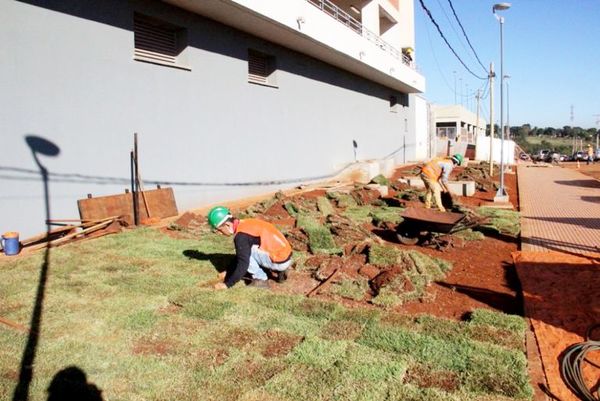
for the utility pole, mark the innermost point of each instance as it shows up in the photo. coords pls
(597, 129)
(491, 77)
(573, 131)
(477, 120)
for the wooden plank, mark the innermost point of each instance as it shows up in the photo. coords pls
(68, 237)
(160, 201)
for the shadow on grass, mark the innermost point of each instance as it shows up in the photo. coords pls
(70, 384)
(220, 261)
(39, 147)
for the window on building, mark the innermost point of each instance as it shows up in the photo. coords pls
(261, 68)
(446, 132)
(158, 42)
(404, 99)
(393, 104)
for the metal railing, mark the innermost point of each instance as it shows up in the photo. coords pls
(341, 16)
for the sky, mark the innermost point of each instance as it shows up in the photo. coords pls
(551, 53)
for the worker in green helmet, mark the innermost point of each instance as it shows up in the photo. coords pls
(435, 176)
(259, 247)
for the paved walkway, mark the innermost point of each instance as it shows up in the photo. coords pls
(560, 210)
(559, 266)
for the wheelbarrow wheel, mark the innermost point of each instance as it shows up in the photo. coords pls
(406, 240)
(407, 234)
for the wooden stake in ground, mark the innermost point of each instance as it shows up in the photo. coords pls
(323, 285)
(14, 325)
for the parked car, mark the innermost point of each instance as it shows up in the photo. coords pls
(565, 158)
(552, 156)
(541, 155)
(579, 156)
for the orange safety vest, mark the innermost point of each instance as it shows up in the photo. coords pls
(271, 240)
(432, 169)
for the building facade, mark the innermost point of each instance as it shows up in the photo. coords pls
(229, 98)
(457, 130)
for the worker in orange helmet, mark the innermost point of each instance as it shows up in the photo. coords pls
(259, 246)
(435, 176)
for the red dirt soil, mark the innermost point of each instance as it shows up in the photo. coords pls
(562, 300)
(483, 273)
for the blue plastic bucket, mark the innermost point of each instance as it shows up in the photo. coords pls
(10, 243)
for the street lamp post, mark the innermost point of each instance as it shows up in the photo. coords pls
(507, 107)
(501, 195)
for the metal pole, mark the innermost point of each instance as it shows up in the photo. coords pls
(507, 110)
(491, 119)
(501, 191)
(573, 132)
(477, 120)
(136, 200)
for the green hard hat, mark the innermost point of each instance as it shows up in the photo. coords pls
(458, 158)
(218, 215)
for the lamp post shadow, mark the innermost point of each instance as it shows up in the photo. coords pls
(38, 146)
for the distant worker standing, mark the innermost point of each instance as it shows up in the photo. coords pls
(258, 246)
(590, 153)
(435, 175)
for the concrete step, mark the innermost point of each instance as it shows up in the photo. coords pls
(461, 188)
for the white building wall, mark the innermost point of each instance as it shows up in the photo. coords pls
(421, 128)
(68, 75)
(483, 150)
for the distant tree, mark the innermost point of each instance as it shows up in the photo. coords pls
(567, 131)
(524, 131)
(549, 131)
(496, 130)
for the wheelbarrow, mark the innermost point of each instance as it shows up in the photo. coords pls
(422, 223)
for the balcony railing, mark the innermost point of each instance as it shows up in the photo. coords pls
(341, 16)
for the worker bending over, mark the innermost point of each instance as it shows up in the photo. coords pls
(258, 246)
(435, 176)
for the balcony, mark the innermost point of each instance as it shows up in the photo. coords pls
(346, 19)
(317, 28)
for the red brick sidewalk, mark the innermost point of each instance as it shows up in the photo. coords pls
(559, 264)
(560, 210)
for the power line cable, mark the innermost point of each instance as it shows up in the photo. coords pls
(466, 37)
(462, 43)
(446, 41)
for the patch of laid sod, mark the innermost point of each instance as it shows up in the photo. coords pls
(325, 206)
(512, 323)
(471, 360)
(355, 288)
(418, 271)
(343, 200)
(470, 235)
(138, 316)
(386, 214)
(320, 239)
(384, 255)
(500, 221)
(380, 179)
(291, 208)
(359, 214)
